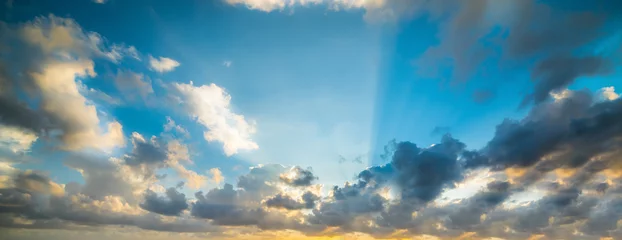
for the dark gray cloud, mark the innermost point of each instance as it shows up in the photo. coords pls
(423, 173)
(47, 209)
(302, 177)
(284, 201)
(468, 216)
(171, 205)
(548, 128)
(556, 73)
(225, 206)
(146, 151)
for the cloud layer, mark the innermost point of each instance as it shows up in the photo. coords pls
(566, 148)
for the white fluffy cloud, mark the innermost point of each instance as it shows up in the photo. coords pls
(210, 105)
(162, 64)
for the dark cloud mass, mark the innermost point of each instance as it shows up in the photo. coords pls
(171, 205)
(284, 201)
(302, 177)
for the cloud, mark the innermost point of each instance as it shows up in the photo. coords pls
(608, 93)
(210, 105)
(556, 73)
(171, 205)
(375, 10)
(133, 84)
(100, 1)
(15, 139)
(38, 203)
(172, 126)
(54, 53)
(162, 64)
(145, 151)
(98, 96)
(227, 63)
(565, 149)
(156, 153)
(552, 52)
(298, 177)
(284, 201)
(217, 176)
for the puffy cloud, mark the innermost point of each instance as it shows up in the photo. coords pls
(210, 105)
(53, 53)
(287, 202)
(162, 64)
(608, 93)
(155, 153)
(171, 205)
(298, 177)
(37, 183)
(217, 176)
(145, 151)
(16, 139)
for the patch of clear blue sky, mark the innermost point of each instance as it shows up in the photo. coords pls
(319, 83)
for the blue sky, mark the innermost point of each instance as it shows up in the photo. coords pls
(241, 84)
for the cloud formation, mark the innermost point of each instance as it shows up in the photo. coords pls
(210, 105)
(162, 64)
(566, 148)
(52, 53)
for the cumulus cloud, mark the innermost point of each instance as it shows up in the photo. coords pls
(298, 177)
(565, 149)
(16, 139)
(162, 64)
(608, 93)
(54, 53)
(210, 105)
(171, 205)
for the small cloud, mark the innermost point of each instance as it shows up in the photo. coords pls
(100, 1)
(210, 106)
(162, 64)
(608, 93)
(227, 63)
(217, 176)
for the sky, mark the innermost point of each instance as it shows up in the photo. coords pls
(310, 119)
